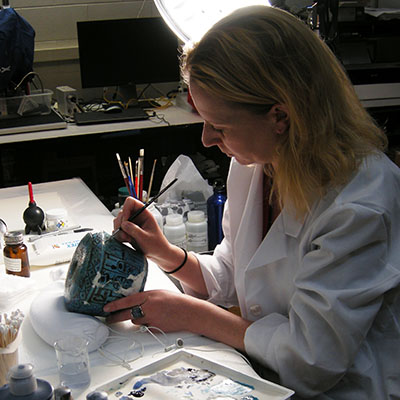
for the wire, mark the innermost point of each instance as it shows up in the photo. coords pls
(25, 76)
(123, 361)
(143, 90)
(154, 102)
(145, 328)
(160, 118)
(115, 358)
(113, 101)
(120, 360)
(214, 350)
(162, 98)
(141, 9)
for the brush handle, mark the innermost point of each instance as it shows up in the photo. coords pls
(135, 214)
(30, 192)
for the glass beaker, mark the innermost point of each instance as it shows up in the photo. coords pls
(73, 361)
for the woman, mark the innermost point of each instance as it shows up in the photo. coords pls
(312, 221)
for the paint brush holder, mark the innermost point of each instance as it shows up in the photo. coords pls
(102, 269)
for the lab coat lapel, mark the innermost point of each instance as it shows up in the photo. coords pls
(249, 226)
(250, 250)
(275, 245)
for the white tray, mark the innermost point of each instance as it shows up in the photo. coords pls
(184, 375)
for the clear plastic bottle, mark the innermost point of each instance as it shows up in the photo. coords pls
(196, 231)
(175, 230)
(115, 211)
(15, 254)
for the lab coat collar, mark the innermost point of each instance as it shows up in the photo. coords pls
(291, 225)
(274, 246)
(251, 249)
(248, 224)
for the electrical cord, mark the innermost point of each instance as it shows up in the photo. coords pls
(115, 358)
(160, 118)
(123, 360)
(35, 74)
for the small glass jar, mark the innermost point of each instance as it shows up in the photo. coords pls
(15, 254)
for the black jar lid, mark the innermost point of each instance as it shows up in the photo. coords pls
(13, 238)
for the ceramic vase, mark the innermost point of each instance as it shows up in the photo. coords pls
(102, 269)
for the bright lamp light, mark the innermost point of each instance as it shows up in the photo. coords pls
(190, 19)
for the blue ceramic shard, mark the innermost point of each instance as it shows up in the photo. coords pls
(102, 269)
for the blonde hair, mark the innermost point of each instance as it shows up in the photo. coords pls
(262, 55)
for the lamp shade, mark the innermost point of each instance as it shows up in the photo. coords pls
(190, 19)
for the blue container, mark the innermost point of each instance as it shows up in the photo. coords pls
(215, 210)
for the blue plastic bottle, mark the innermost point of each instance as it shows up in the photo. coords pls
(215, 209)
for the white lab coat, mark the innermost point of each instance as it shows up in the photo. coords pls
(324, 295)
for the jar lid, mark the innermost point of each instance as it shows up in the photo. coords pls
(174, 219)
(13, 238)
(97, 396)
(21, 371)
(196, 216)
(55, 213)
(62, 393)
(123, 191)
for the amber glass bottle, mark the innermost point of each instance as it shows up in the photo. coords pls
(15, 254)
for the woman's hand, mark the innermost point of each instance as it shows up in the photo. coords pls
(166, 310)
(174, 312)
(144, 232)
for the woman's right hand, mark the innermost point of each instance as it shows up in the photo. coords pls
(144, 232)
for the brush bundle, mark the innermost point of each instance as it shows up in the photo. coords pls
(9, 338)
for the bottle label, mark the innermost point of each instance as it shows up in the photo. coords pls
(197, 238)
(178, 242)
(13, 264)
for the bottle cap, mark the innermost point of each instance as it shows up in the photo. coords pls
(21, 380)
(174, 219)
(12, 238)
(123, 191)
(97, 396)
(196, 216)
(56, 213)
(219, 186)
(62, 393)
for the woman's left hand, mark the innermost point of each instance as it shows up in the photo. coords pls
(173, 312)
(166, 310)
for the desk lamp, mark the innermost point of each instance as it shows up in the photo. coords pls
(190, 19)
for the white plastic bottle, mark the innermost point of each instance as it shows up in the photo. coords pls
(175, 230)
(157, 214)
(196, 231)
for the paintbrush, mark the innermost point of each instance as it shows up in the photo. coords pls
(124, 175)
(138, 212)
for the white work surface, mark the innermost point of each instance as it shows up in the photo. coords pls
(86, 210)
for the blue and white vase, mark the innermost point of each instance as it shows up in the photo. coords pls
(102, 269)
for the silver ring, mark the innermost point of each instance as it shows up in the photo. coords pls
(137, 312)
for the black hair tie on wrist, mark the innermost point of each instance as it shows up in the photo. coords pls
(180, 266)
